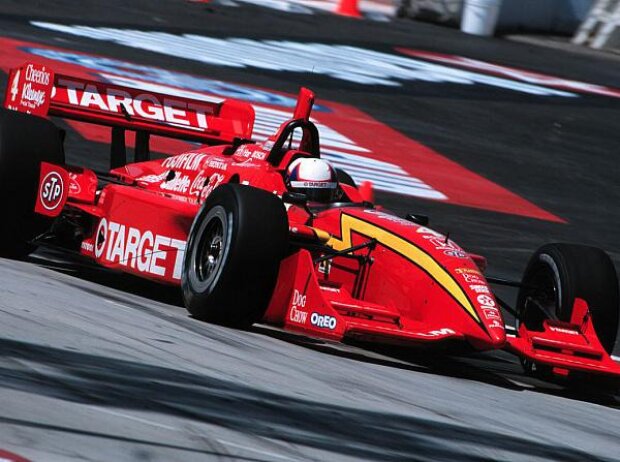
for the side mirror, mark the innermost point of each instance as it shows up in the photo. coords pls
(421, 220)
(295, 198)
(366, 190)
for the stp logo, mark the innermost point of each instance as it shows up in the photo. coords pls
(51, 191)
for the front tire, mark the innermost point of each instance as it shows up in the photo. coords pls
(25, 141)
(233, 255)
(557, 274)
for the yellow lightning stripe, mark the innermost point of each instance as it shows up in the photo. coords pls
(323, 236)
(350, 224)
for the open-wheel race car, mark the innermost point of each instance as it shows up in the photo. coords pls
(233, 223)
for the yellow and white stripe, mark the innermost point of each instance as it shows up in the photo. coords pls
(350, 224)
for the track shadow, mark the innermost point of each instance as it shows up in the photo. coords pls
(448, 361)
(84, 269)
(479, 367)
(424, 360)
(355, 432)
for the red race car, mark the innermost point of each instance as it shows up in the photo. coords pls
(269, 232)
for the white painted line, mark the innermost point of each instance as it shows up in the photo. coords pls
(341, 62)
(177, 430)
(257, 451)
(520, 384)
(120, 305)
(136, 419)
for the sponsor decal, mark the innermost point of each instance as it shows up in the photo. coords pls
(486, 300)
(437, 333)
(179, 184)
(495, 324)
(154, 178)
(455, 253)
(480, 288)
(217, 163)
(101, 237)
(563, 330)
(51, 191)
(299, 301)
(350, 139)
(313, 184)
(144, 105)
(40, 76)
(214, 181)
(298, 316)
(74, 185)
(472, 278)
(441, 243)
(325, 268)
(253, 152)
(140, 250)
(489, 309)
(323, 321)
(87, 246)
(198, 184)
(35, 98)
(15, 86)
(191, 161)
(491, 313)
(468, 271)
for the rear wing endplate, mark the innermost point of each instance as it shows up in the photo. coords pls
(37, 90)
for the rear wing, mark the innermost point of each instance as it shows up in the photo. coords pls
(36, 89)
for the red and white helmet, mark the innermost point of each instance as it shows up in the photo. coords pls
(315, 178)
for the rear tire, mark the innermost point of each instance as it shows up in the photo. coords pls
(233, 255)
(557, 274)
(25, 141)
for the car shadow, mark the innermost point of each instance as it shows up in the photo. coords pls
(498, 368)
(352, 431)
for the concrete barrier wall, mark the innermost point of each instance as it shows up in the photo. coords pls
(555, 16)
(561, 16)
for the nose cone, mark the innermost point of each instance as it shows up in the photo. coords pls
(497, 336)
(488, 337)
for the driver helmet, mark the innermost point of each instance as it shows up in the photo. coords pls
(316, 178)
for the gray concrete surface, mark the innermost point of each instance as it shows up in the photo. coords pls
(101, 367)
(88, 372)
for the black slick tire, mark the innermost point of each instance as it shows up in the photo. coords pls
(558, 273)
(233, 255)
(25, 141)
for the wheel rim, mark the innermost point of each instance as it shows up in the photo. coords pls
(209, 255)
(542, 296)
(211, 252)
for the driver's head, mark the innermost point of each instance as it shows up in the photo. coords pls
(315, 178)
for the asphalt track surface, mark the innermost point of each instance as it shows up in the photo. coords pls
(99, 366)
